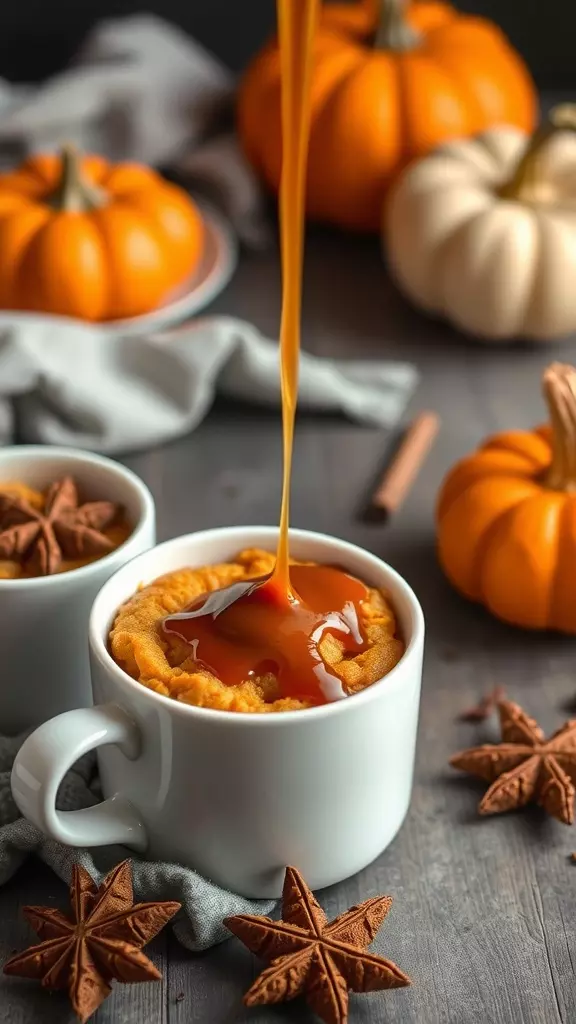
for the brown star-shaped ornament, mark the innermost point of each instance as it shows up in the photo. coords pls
(525, 767)
(100, 941)
(39, 539)
(309, 956)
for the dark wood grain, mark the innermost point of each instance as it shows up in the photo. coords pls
(484, 918)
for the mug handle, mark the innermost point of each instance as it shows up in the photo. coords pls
(46, 756)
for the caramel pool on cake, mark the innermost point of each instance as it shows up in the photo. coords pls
(223, 637)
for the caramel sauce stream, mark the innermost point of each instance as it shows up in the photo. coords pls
(273, 627)
(296, 26)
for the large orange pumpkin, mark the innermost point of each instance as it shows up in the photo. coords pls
(89, 239)
(392, 80)
(507, 518)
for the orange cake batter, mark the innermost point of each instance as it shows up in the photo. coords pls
(166, 663)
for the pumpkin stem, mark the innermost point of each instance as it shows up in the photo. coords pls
(73, 194)
(394, 32)
(560, 392)
(523, 184)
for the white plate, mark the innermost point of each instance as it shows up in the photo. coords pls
(208, 280)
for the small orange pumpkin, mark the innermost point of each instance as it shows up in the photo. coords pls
(507, 518)
(90, 239)
(431, 75)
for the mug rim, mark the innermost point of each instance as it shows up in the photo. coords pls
(44, 453)
(97, 637)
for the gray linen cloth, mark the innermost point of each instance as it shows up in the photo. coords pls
(141, 89)
(204, 904)
(79, 385)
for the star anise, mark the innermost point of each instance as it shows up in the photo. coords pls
(100, 941)
(39, 540)
(311, 957)
(525, 767)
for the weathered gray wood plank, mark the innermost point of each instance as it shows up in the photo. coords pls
(484, 917)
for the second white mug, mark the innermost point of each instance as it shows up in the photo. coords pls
(44, 620)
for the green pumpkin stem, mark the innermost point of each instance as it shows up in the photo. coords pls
(560, 393)
(74, 194)
(394, 32)
(523, 185)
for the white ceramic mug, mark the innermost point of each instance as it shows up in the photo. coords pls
(44, 665)
(236, 796)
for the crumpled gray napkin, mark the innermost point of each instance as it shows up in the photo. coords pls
(141, 89)
(204, 905)
(80, 385)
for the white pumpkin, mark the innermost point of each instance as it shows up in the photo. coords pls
(483, 232)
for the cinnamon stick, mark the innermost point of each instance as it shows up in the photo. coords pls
(485, 706)
(406, 464)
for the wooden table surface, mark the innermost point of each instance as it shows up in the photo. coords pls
(484, 915)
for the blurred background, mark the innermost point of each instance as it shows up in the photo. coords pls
(142, 90)
(38, 36)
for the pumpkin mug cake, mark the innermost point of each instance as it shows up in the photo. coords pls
(234, 796)
(216, 637)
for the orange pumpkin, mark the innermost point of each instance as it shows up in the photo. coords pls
(507, 518)
(89, 239)
(431, 75)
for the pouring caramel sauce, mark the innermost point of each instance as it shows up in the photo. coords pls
(276, 623)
